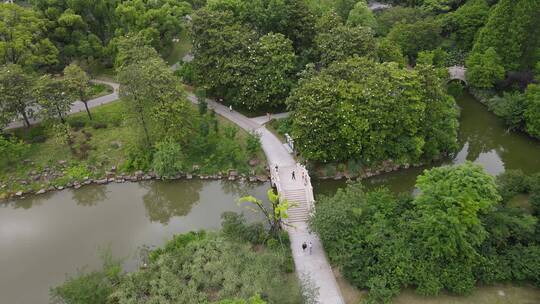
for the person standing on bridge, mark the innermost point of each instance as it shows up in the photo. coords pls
(310, 247)
(304, 246)
(293, 176)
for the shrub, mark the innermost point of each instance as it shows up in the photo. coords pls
(353, 167)
(512, 182)
(455, 89)
(253, 143)
(511, 107)
(168, 158)
(137, 159)
(11, 149)
(330, 170)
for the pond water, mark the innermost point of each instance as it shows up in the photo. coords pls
(43, 238)
(483, 139)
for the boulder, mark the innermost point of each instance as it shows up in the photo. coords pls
(113, 169)
(19, 193)
(262, 178)
(252, 179)
(189, 176)
(77, 186)
(253, 162)
(102, 181)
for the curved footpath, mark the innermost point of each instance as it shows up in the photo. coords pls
(79, 106)
(312, 267)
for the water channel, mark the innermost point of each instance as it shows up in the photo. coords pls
(43, 238)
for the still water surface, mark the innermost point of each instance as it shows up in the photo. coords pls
(483, 139)
(43, 238)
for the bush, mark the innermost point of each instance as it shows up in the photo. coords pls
(11, 149)
(253, 144)
(455, 89)
(512, 182)
(168, 158)
(511, 107)
(234, 227)
(185, 72)
(138, 158)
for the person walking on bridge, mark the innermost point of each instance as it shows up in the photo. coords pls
(293, 176)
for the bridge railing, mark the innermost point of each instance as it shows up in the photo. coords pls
(310, 199)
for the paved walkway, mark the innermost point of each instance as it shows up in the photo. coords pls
(312, 266)
(79, 106)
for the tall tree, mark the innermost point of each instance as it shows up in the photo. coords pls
(532, 114)
(446, 227)
(156, 100)
(269, 72)
(54, 97)
(484, 69)
(422, 35)
(79, 82)
(16, 94)
(23, 38)
(513, 30)
(465, 22)
(361, 15)
(343, 42)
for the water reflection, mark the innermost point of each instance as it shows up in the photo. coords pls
(167, 199)
(483, 139)
(90, 196)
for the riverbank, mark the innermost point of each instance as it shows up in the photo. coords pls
(101, 151)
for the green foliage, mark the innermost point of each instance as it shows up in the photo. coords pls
(15, 94)
(359, 109)
(274, 216)
(512, 182)
(450, 236)
(456, 89)
(253, 300)
(388, 51)
(361, 15)
(202, 104)
(203, 268)
(343, 42)
(23, 38)
(234, 227)
(484, 69)
(156, 100)
(89, 287)
(532, 114)
(512, 31)
(159, 21)
(511, 107)
(390, 17)
(54, 97)
(415, 37)
(167, 160)
(12, 150)
(465, 22)
(253, 143)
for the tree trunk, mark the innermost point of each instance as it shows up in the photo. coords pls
(25, 118)
(87, 109)
(145, 129)
(60, 115)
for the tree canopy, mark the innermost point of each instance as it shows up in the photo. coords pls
(360, 109)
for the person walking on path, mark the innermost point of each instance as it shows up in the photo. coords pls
(310, 247)
(276, 168)
(230, 108)
(304, 246)
(293, 176)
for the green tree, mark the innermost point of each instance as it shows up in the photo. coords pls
(361, 15)
(23, 39)
(343, 7)
(269, 72)
(512, 30)
(275, 217)
(484, 69)
(360, 109)
(415, 37)
(390, 17)
(54, 97)
(79, 82)
(466, 21)
(511, 107)
(16, 94)
(343, 42)
(158, 21)
(446, 227)
(532, 114)
(156, 100)
(388, 51)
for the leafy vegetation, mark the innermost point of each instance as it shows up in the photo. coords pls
(456, 233)
(359, 109)
(241, 264)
